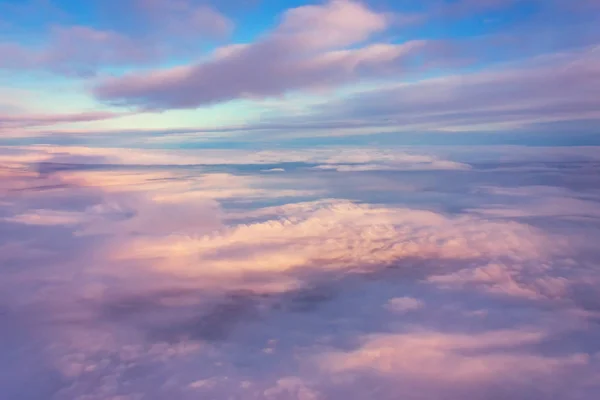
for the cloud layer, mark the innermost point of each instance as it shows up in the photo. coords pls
(179, 279)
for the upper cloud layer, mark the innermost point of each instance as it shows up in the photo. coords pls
(160, 29)
(544, 89)
(308, 50)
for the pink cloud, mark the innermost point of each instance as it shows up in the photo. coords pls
(335, 24)
(78, 47)
(308, 50)
(474, 359)
(404, 304)
(329, 235)
(547, 88)
(79, 50)
(82, 50)
(13, 55)
(12, 121)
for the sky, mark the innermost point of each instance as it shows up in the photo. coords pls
(299, 200)
(263, 71)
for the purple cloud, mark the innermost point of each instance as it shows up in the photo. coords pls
(309, 50)
(130, 281)
(547, 89)
(12, 121)
(162, 28)
(551, 88)
(79, 50)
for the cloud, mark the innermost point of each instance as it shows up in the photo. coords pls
(507, 279)
(337, 159)
(537, 93)
(545, 89)
(47, 217)
(327, 236)
(79, 50)
(8, 122)
(82, 50)
(410, 164)
(309, 50)
(450, 358)
(543, 201)
(357, 272)
(152, 216)
(78, 160)
(291, 388)
(404, 304)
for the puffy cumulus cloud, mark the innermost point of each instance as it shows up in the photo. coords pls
(314, 47)
(330, 236)
(338, 23)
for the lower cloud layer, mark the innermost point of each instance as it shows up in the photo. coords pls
(389, 275)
